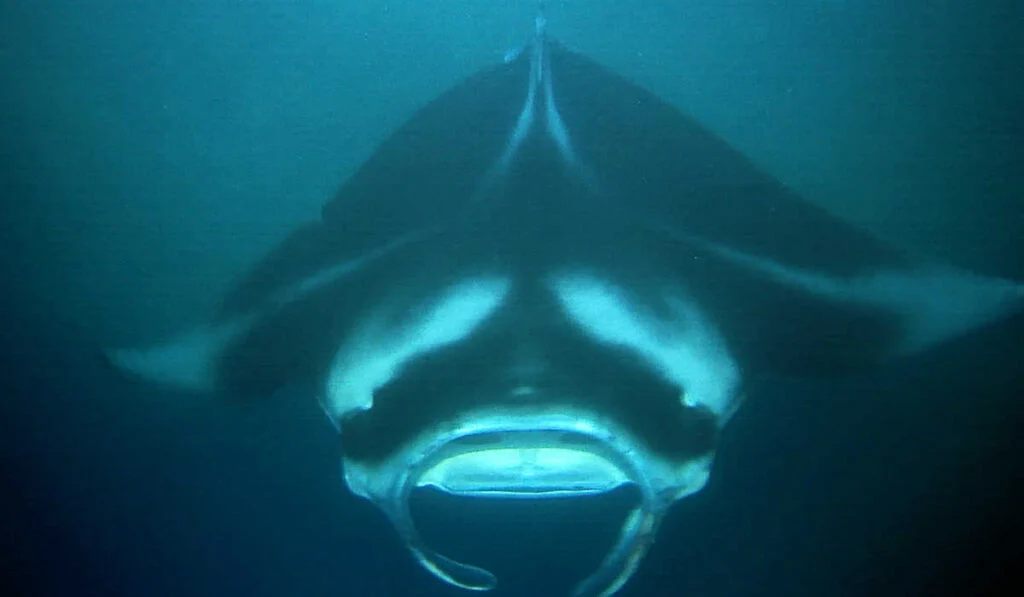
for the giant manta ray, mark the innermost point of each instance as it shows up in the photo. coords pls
(550, 282)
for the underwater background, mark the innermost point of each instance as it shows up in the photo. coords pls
(153, 149)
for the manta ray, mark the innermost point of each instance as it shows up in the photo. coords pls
(550, 283)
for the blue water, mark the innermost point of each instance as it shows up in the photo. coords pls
(153, 149)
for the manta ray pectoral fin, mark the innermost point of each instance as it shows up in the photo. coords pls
(930, 303)
(243, 345)
(187, 361)
(938, 304)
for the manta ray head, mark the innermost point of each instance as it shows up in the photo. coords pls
(564, 390)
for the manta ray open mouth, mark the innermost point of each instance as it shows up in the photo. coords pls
(529, 455)
(551, 283)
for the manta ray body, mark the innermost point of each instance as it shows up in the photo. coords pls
(551, 283)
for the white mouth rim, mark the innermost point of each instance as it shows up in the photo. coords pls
(661, 482)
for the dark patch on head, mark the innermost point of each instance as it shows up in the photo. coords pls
(484, 371)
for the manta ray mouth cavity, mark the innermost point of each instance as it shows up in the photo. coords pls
(525, 464)
(533, 454)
